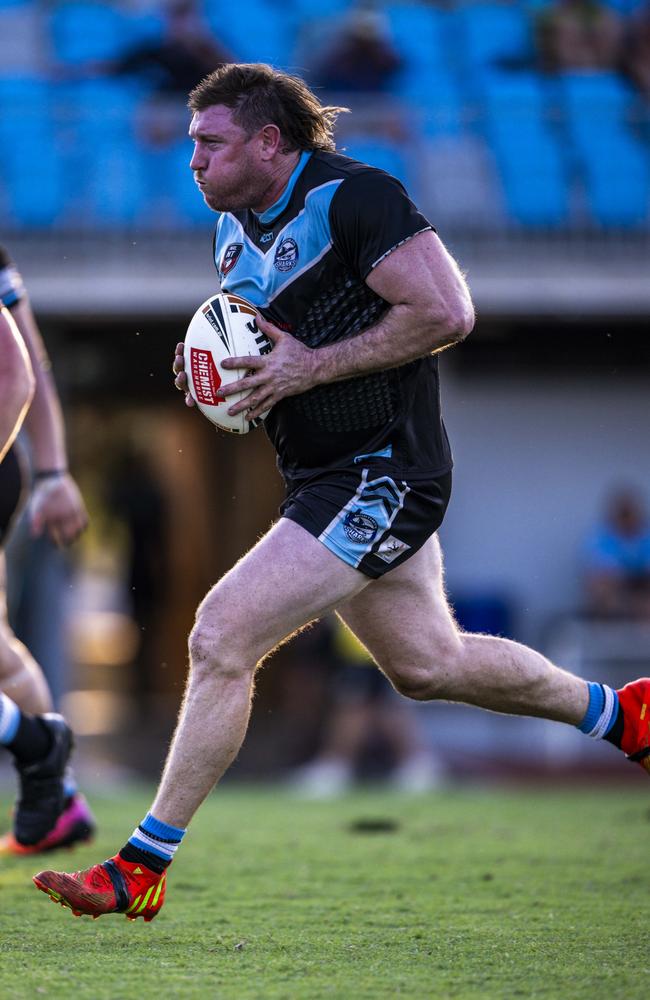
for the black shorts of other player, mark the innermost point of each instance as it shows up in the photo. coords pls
(13, 489)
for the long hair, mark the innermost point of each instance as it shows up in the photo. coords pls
(260, 95)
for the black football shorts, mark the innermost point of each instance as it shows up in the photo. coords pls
(13, 485)
(366, 517)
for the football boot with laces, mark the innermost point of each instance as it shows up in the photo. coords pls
(115, 886)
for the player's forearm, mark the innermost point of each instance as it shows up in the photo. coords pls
(44, 421)
(402, 335)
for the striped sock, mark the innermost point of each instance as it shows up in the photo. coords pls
(153, 843)
(602, 711)
(9, 719)
(70, 787)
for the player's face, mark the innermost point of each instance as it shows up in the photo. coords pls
(226, 167)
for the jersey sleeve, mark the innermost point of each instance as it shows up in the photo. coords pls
(370, 215)
(12, 289)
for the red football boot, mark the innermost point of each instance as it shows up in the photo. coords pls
(115, 886)
(635, 702)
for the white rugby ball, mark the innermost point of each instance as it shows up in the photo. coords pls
(222, 327)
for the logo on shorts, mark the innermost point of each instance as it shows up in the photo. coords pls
(230, 257)
(391, 548)
(286, 256)
(360, 527)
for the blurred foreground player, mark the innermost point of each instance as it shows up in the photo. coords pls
(50, 811)
(358, 295)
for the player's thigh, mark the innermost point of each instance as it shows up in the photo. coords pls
(285, 581)
(404, 620)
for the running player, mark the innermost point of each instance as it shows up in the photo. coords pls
(50, 811)
(358, 295)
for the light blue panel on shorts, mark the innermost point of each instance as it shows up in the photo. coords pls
(364, 519)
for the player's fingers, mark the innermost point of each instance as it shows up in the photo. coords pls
(269, 328)
(189, 399)
(261, 406)
(241, 385)
(181, 381)
(250, 362)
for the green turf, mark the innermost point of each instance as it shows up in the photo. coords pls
(468, 894)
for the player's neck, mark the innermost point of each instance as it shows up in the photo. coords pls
(278, 181)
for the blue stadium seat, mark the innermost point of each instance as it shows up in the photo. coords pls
(186, 200)
(254, 31)
(84, 31)
(378, 153)
(492, 33)
(104, 183)
(417, 32)
(30, 167)
(526, 149)
(608, 155)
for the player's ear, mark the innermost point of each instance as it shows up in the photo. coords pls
(269, 141)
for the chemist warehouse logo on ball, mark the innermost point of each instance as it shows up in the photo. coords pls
(205, 377)
(286, 256)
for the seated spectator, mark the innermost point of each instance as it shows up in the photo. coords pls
(579, 34)
(636, 61)
(179, 60)
(360, 58)
(617, 559)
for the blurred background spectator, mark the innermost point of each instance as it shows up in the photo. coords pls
(359, 57)
(521, 132)
(636, 59)
(617, 559)
(369, 732)
(174, 63)
(579, 35)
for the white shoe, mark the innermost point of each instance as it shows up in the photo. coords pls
(322, 779)
(421, 772)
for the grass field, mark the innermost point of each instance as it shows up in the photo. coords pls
(467, 894)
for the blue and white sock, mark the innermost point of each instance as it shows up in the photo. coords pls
(70, 787)
(157, 838)
(602, 711)
(9, 720)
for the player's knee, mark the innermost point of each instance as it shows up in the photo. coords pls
(428, 679)
(212, 652)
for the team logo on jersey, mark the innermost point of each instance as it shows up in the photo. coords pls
(230, 257)
(286, 256)
(360, 527)
(266, 237)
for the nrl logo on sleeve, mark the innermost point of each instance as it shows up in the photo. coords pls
(286, 256)
(230, 257)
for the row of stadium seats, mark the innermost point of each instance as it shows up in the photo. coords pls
(566, 152)
(542, 151)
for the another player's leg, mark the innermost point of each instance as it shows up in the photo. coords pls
(285, 581)
(49, 812)
(405, 622)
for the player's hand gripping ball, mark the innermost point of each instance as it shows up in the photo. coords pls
(223, 327)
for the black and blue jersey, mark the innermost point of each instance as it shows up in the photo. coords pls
(303, 262)
(12, 289)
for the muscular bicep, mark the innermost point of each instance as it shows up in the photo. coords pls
(422, 275)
